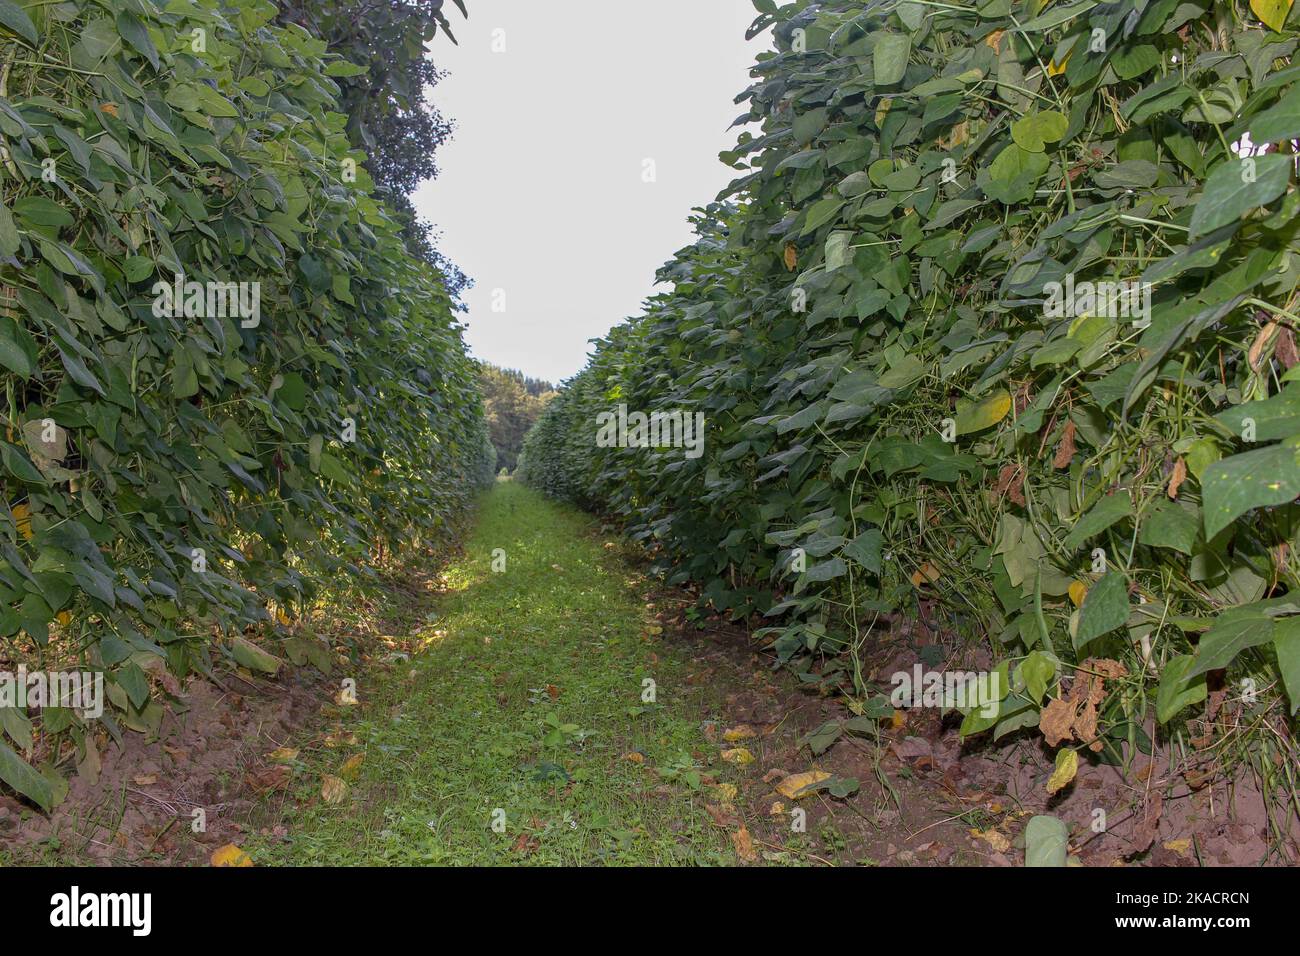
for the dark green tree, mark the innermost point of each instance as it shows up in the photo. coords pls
(513, 403)
(390, 115)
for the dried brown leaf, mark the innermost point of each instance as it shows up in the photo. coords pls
(1066, 449)
(1177, 478)
(744, 845)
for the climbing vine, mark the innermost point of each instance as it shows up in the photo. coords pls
(1000, 313)
(224, 380)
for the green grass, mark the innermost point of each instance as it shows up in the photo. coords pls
(468, 726)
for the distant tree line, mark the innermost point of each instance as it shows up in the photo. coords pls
(513, 401)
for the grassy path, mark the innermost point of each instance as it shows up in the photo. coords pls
(525, 709)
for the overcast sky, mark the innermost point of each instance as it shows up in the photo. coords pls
(540, 198)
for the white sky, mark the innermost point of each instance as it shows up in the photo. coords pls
(540, 193)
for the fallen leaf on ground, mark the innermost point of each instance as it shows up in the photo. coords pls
(1146, 823)
(738, 755)
(634, 757)
(739, 732)
(724, 816)
(993, 838)
(744, 845)
(333, 789)
(352, 767)
(726, 791)
(794, 786)
(146, 779)
(526, 844)
(912, 748)
(231, 855)
(283, 754)
(275, 777)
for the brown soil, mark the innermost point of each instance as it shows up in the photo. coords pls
(211, 754)
(928, 799)
(924, 797)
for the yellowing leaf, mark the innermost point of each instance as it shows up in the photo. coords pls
(283, 754)
(927, 574)
(64, 618)
(726, 791)
(994, 40)
(1078, 591)
(956, 136)
(333, 789)
(351, 767)
(634, 757)
(993, 838)
(23, 520)
(1056, 69)
(738, 755)
(1067, 765)
(1178, 846)
(794, 786)
(1272, 12)
(739, 732)
(231, 855)
(977, 416)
